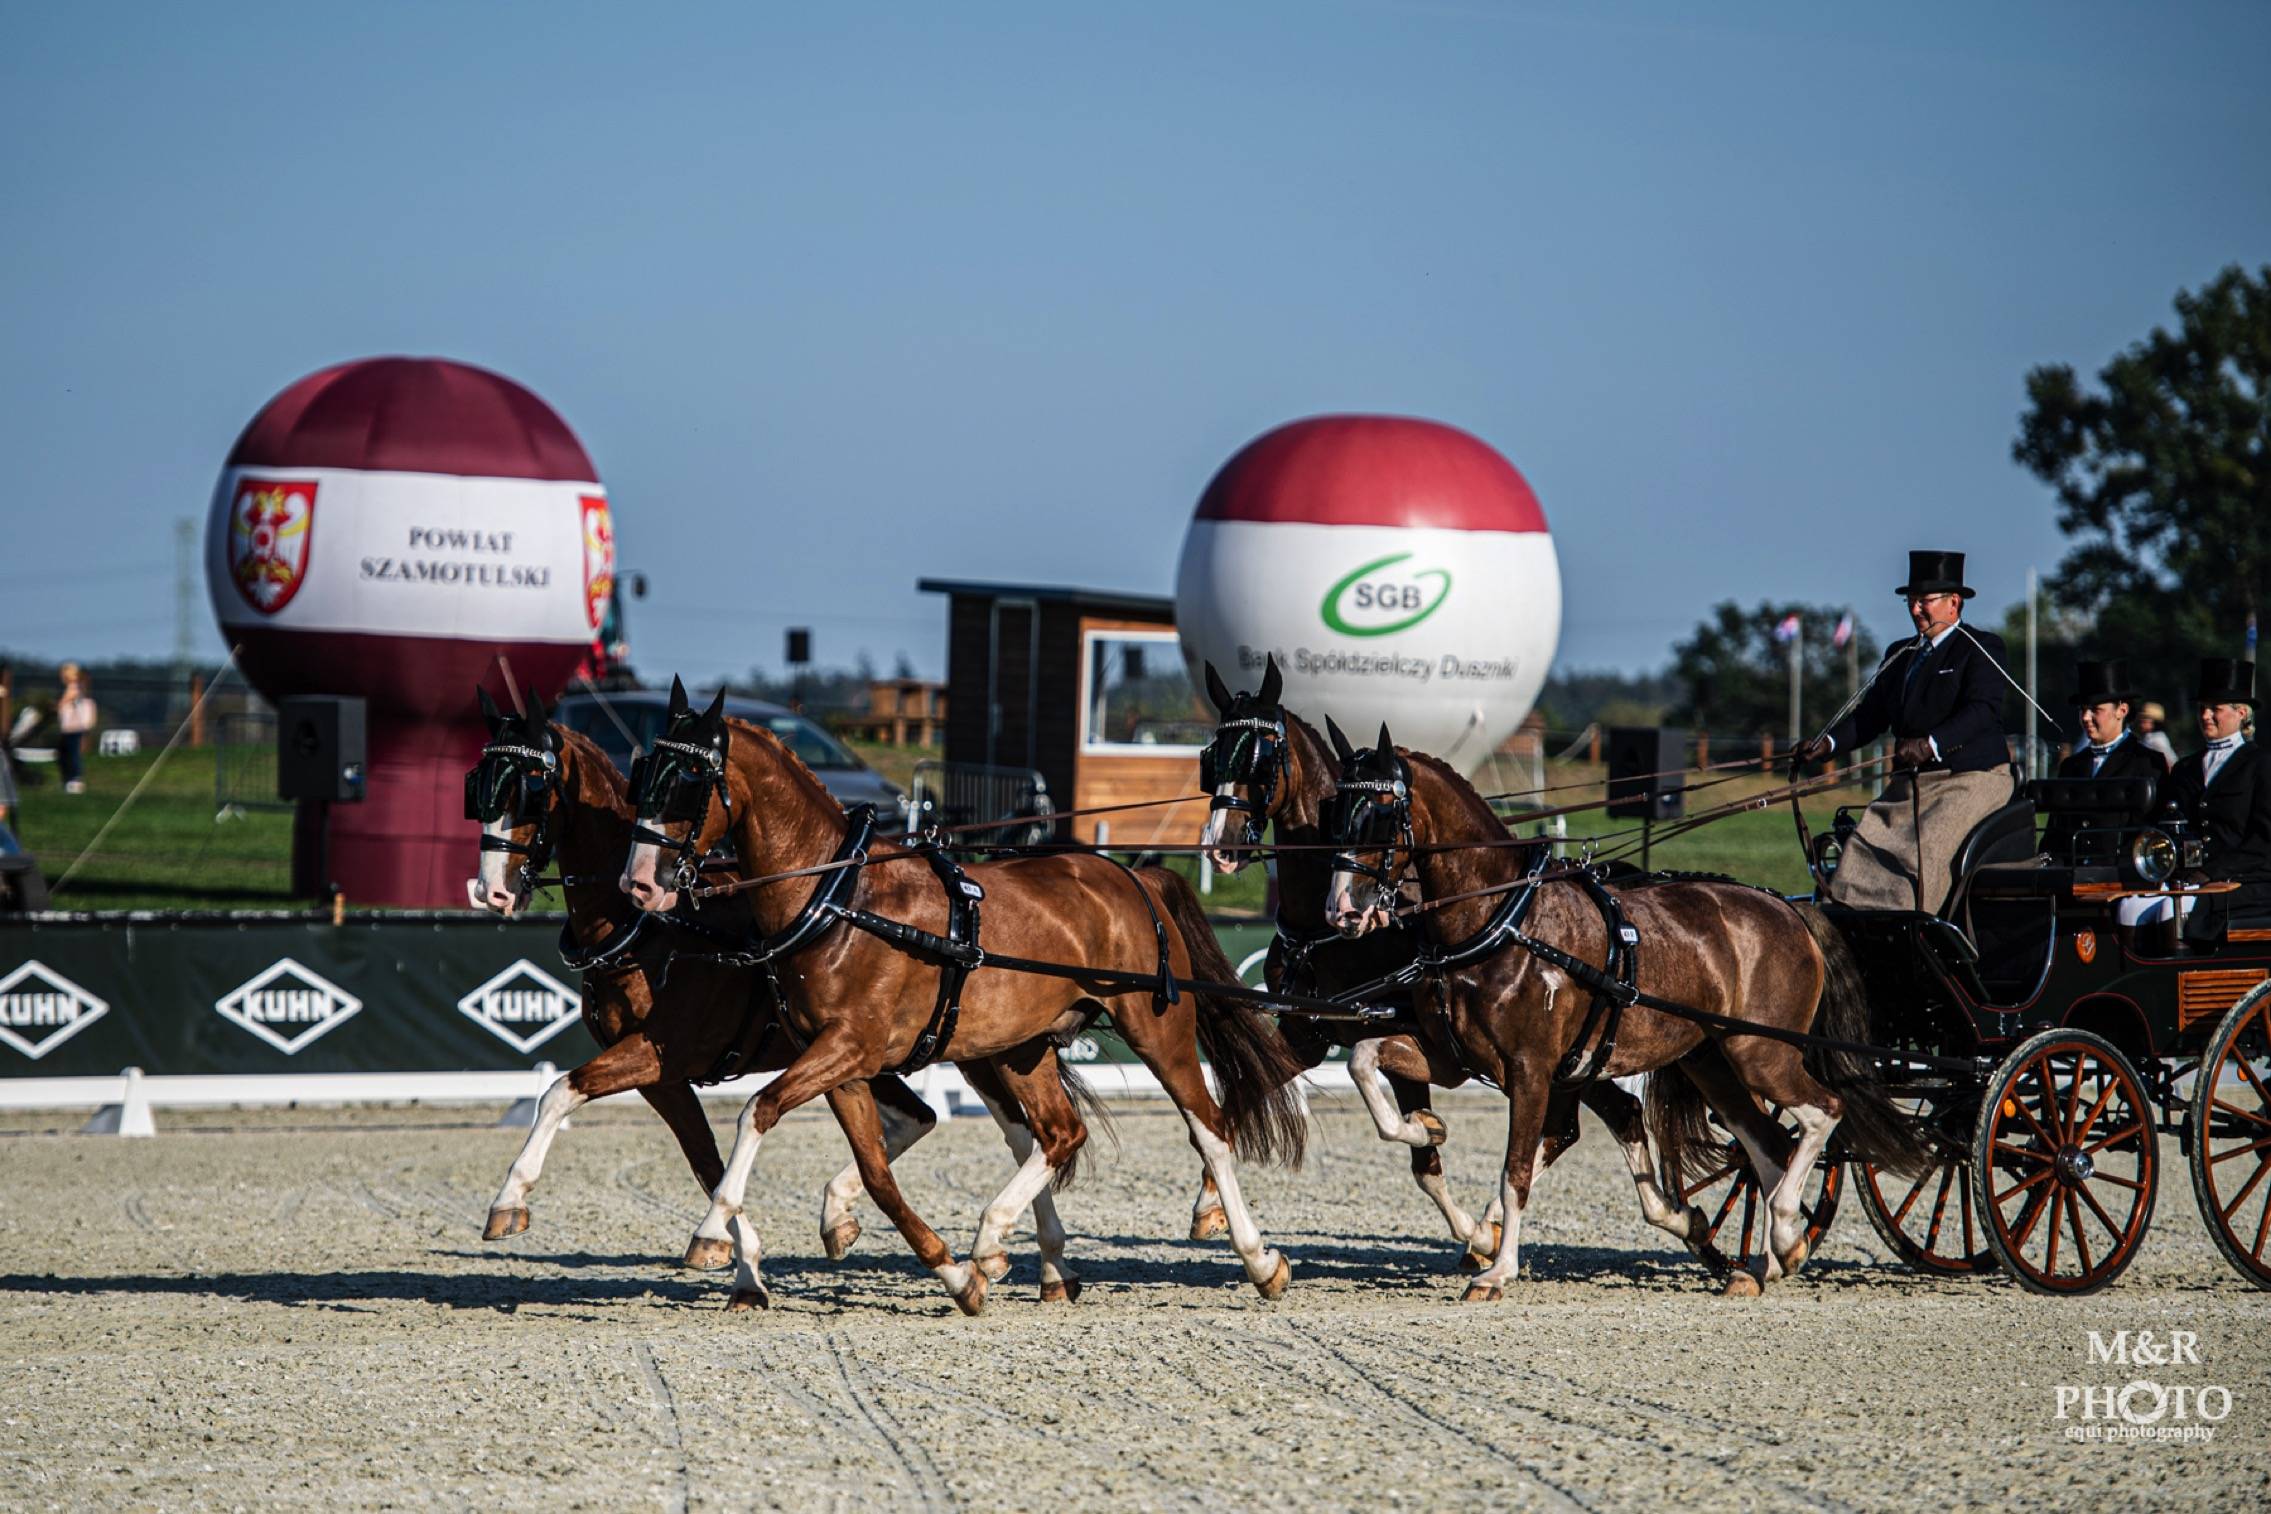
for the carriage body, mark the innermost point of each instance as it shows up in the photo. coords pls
(2050, 1052)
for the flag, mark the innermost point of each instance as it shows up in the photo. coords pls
(1788, 630)
(1844, 631)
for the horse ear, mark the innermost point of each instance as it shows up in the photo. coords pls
(1273, 683)
(539, 718)
(1387, 746)
(1341, 748)
(677, 696)
(713, 718)
(1217, 690)
(489, 711)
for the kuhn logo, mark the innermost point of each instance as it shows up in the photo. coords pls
(1383, 597)
(523, 1006)
(288, 1006)
(40, 1009)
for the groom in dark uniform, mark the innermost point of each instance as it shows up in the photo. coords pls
(1940, 698)
(2103, 695)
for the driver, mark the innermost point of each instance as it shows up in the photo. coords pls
(1940, 697)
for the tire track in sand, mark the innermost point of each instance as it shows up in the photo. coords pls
(929, 1485)
(665, 1403)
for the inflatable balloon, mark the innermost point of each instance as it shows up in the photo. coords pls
(403, 529)
(1399, 570)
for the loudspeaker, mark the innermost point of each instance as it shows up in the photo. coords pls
(319, 748)
(1636, 752)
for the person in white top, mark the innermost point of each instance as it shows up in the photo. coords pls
(75, 716)
(2150, 718)
(2223, 791)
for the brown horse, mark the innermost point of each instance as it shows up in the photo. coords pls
(859, 1005)
(1724, 948)
(544, 793)
(1268, 766)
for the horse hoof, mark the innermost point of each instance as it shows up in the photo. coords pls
(1065, 1291)
(1474, 1259)
(1795, 1258)
(748, 1298)
(1741, 1283)
(1273, 1286)
(995, 1267)
(504, 1222)
(972, 1299)
(707, 1253)
(1428, 1121)
(1208, 1223)
(1479, 1292)
(837, 1239)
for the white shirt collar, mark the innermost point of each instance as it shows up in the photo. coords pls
(2226, 744)
(2109, 746)
(1945, 632)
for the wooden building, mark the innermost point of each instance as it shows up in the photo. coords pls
(1084, 686)
(900, 711)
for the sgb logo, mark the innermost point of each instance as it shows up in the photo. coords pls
(1384, 596)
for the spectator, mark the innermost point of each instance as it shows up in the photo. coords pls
(74, 719)
(2150, 718)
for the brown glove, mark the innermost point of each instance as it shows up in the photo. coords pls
(1814, 750)
(1912, 752)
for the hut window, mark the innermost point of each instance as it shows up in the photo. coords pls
(1139, 695)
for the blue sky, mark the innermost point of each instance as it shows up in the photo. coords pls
(836, 300)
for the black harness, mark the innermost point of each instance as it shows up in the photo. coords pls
(1257, 759)
(957, 953)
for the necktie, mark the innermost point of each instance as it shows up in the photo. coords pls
(1916, 663)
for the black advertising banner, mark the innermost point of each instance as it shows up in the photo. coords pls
(376, 994)
(380, 993)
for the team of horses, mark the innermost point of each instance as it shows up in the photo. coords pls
(729, 916)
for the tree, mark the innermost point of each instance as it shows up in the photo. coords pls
(2163, 482)
(1736, 675)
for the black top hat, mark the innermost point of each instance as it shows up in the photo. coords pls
(2102, 683)
(1935, 573)
(2226, 680)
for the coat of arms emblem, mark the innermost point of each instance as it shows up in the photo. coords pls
(271, 522)
(599, 559)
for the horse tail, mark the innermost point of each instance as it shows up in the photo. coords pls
(1679, 1121)
(1093, 1113)
(1873, 1129)
(1254, 1070)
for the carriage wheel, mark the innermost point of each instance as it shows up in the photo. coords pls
(2065, 1162)
(2231, 1136)
(1728, 1195)
(1928, 1220)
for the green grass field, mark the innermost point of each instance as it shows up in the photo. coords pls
(170, 852)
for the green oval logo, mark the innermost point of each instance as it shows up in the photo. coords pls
(1407, 599)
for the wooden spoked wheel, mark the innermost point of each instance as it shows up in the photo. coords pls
(1729, 1197)
(1928, 1220)
(2065, 1162)
(2231, 1136)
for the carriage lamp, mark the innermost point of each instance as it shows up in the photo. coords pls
(1829, 850)
(2150, 858)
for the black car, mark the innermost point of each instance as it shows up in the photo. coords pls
(624, 724)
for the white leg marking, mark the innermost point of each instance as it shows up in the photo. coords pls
(1245, 1239)
(559, 1101)
(1364, 1072)
(844, 1189)
(733, 1188)
(1784, 1227)
(1654, 1206)
(1507, 1265)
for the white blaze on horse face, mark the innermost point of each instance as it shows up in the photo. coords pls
(639, 879)
(1211, 840)
(494, 890)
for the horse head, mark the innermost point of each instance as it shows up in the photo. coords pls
(1368, 818)
(1245, 767)
(513, 793)
(679, 796)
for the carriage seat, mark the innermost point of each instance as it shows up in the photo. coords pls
(2007, 836)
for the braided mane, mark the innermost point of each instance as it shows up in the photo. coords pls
(1460, 787)
(798, 770)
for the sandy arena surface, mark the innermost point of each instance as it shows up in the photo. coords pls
(289, 1307)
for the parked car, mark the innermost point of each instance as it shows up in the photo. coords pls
(625, 723)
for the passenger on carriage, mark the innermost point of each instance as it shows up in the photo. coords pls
(1940, 697)
(2223, 792)
(2103, 695)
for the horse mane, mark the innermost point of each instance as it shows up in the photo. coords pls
(613, 786)
(1461, 789)
(798, 770)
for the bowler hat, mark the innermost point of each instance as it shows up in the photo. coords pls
(2226, 680)
(2104, 682)
(1935, 573)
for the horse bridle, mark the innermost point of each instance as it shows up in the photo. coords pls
(1364, 798)
(686, 800)
(487, 785)
(1257, 760)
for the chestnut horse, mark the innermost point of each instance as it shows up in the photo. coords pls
(1723, 948)
(543, 793)
(1268, 766)
(858, 1005)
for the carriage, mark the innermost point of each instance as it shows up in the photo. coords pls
(2044, 1052)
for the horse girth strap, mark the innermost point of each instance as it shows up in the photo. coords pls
(957, 953)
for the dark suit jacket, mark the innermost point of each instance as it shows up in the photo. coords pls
(2233, 814)
(1956, 698)
(2130, 759)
